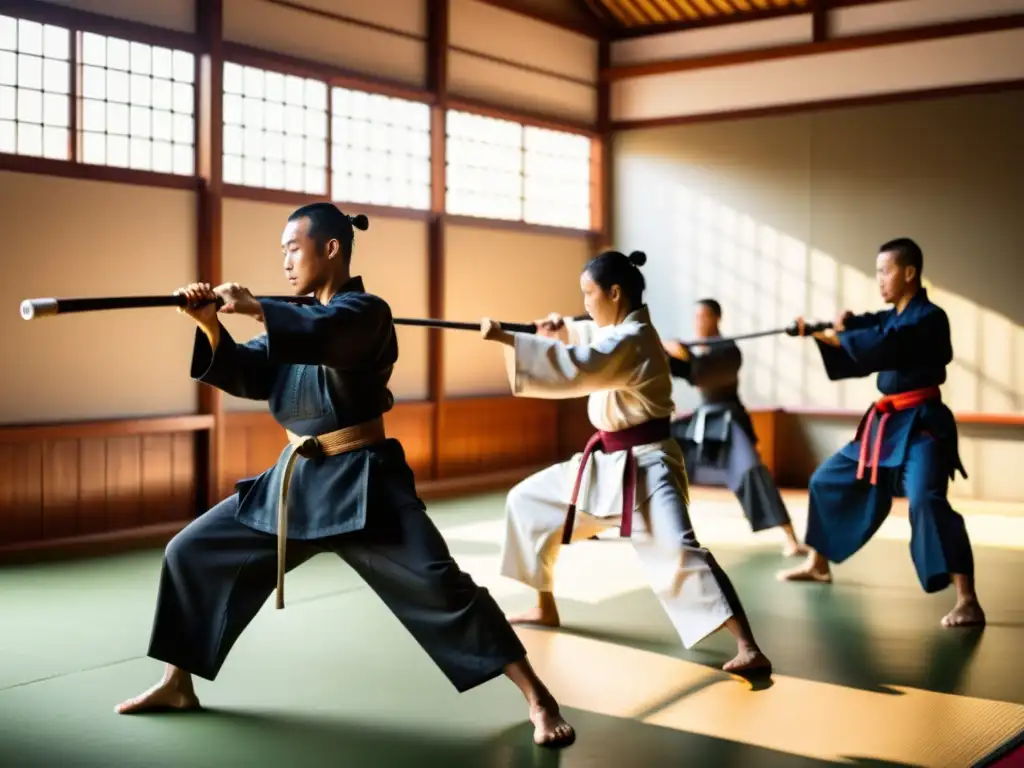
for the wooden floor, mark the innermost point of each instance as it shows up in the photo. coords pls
(864, 674)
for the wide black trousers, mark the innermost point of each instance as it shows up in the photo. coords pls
(217, 573)
(736, 465)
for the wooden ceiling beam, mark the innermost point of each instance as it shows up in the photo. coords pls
(597, 9)
(820, 20)
(593, 29)
(852, 42)
(714, 21)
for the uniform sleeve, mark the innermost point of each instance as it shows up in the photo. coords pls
(719, 367)
(866, 320)
(581, 332)
(546, 368)
(922, 343)
(839, 364)
(680, 369)
(342, 334)
(242, 370)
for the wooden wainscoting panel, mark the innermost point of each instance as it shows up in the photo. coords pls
(21, 492)
(766, 426)
(92, 485)
(65, 484)
(486, 434)
(183, 478)
(60, 488)
(412, 424)
(254, 441)
(574, 427)
(235, 462)
(124, 482)
(157, 477)
(264, 446)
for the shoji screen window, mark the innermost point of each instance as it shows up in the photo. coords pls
(380, 151)
(556, 183)
(35, 87)
(484, 166)
(275, 130)
(137, 105)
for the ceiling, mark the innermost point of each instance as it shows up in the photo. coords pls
(647, 16)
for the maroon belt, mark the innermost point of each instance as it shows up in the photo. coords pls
(886, 406)
(652, 431)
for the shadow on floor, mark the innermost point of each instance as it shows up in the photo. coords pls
(858, 632)
(226, 737)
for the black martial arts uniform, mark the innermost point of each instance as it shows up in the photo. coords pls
(906, 444)
(322, 368)
(718, 438)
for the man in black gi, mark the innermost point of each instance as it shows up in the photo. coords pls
(718, 438)
(324, 370)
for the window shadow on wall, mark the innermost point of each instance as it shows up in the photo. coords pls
(764, 278)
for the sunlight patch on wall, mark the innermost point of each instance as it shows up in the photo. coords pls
(823, 305)
(987, 372)
(765, 278)
(997, 344)
(961, 388)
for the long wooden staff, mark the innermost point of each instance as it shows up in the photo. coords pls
(789, 330)
(36, 308)
(33, 308)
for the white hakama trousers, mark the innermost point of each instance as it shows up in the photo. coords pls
(681, 572)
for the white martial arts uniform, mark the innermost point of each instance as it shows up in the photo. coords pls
(624, 370)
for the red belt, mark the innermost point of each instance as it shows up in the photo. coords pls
(886, 406)
(652, 431)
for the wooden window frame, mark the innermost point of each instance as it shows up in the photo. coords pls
(210, 49)
(79, 22)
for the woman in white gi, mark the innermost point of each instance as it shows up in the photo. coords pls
(618, 361)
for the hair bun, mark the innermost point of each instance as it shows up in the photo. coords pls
(637, 258)
(360, 222)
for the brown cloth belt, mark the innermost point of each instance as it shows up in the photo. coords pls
(652, 431)
(329, 444)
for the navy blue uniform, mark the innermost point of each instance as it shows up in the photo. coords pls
(917, 450)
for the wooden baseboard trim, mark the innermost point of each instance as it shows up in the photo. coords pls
(962, 417)
(848, 414)
(93, 545)
(470, 484)
(152, 536)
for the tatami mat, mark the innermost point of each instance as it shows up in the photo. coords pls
(864, 674)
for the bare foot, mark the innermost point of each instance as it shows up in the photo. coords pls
(542, 616)
(809, 571)
(165, 695)
(747, 661)
(793, 548)
(549, 727)
(966, 613)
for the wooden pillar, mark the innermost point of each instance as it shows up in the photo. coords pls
(819, 20)
(209, 135)
(601, 157)
(437, 82)
(574, 426)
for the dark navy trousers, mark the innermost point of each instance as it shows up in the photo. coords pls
(845, 512)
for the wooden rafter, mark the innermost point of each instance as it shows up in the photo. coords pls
(644, 17)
